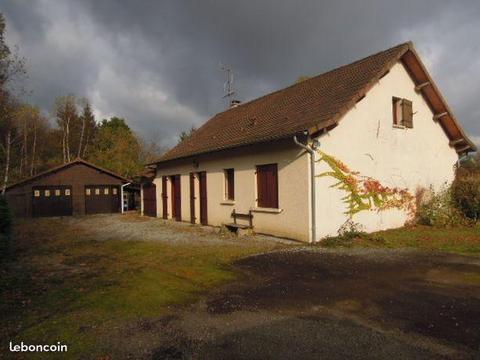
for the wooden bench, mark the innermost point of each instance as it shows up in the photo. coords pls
(235, 226)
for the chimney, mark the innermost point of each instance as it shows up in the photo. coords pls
(234, 103)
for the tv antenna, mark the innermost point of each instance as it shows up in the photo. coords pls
(228, 88)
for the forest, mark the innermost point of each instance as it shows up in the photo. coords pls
(33, 140)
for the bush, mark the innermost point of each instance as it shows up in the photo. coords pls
(5, 216)
(466, 192)
(439, 209)
(350, 230)
(5, 224)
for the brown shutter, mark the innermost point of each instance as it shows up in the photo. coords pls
(407, 113)
(261, 186)
(273, 186)
(267, 186)
(192, 198)
(164, 198)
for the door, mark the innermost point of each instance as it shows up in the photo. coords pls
(192, 198)
(176, 198)
(102, 199)
(150, 199)
(52, 200)
(202, 178)
(164, 198)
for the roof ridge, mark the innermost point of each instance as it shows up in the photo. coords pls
(259, 99)
(407, 43)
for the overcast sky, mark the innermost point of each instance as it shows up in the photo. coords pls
(156, 63)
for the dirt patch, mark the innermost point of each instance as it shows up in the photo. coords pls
(412, 292)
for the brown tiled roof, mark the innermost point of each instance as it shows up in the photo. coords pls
(313, 104)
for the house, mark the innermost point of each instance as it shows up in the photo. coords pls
(355, 143)
(74, 188)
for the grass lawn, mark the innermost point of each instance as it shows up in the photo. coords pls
(69, 287)
(461, 240)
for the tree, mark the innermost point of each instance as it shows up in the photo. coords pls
(186, 134)
(67, 119)
(11, 69)
(8, 109)
(117, 148)
(87, 129)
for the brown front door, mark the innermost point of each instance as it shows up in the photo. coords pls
(176, 198)
(192, 198)
(202, 177)
(150, 200)
(164, 198)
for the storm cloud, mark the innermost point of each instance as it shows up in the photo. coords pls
(156, 63)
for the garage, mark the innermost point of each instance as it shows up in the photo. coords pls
(74, 188)
(102, 199)
(52, 201)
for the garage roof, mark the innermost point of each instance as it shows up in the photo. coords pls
(316, 104)
(64, 166)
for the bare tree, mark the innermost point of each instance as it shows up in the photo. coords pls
(8, 108)
(66, 113)
(11, 69)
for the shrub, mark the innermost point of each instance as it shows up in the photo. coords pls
(5, 224)
(5, 216)
(350, 230)
(466, 192)
(438, 209)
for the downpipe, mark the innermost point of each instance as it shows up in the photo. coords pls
(311, 153)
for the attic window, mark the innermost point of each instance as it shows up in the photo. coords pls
(402, 112)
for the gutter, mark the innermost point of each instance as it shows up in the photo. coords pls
(311, 153)
(121, 196)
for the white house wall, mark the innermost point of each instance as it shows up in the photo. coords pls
(291, 221)
(366, 141)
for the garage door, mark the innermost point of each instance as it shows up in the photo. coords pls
(52, 201)
(149, 200)
(102, 199)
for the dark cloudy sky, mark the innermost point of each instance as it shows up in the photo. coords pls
(156, 63)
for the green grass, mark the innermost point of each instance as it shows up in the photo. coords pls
(461, 240)
(64, 286)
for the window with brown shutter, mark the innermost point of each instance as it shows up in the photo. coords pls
(402, 112)
(267, 186)
(229, 184)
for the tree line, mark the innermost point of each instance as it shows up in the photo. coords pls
(32, 141)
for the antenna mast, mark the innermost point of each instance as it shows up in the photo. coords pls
(228, 88)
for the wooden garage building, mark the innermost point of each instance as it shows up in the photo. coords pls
(75, 188)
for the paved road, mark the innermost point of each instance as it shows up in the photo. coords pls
(317, 304)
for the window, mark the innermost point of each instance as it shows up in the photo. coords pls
(57, 192)
(87, 191)
(105, 191)
(97, 191)
(267, 186)
(229, 184)
(114, 191)
(36, 193)
(67, 192)
(47, 193)
(402, 112)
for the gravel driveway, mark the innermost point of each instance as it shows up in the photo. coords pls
(134, 227)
